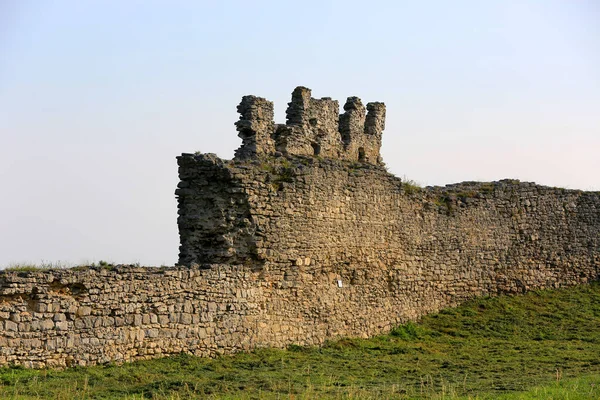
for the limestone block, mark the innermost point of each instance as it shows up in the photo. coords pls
(84, 311)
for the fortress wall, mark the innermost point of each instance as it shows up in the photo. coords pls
(303, 237)
(88, 316)
(305, 211)
(265, 244)
(70, 317)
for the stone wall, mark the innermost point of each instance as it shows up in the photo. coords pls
(306, 250)
(297, 210)
(314, 127)
(280, 249)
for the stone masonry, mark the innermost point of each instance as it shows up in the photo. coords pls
(303, 237)
(314, 128)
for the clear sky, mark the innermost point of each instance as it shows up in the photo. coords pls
(97, 98)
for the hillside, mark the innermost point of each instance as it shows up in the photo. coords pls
(540, 345)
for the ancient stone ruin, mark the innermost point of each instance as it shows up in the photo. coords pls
(314, 128)
(302, 237)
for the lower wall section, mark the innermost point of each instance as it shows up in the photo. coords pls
(84, 317)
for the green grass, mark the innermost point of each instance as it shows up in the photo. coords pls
(543, 345)
(45, 265)
(411, 186)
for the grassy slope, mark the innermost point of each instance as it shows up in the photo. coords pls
(541, 345)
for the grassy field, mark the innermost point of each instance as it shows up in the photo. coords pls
(543, 345)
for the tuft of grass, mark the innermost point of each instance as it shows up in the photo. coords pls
(542, 345)
(466, 194)
(280, 171)
(43, 265)
(410, 186)
(409, 331)
(101, 264)
(445, 205)
(23, 267)
(487, 188)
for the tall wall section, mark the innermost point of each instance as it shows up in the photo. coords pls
(300, 211)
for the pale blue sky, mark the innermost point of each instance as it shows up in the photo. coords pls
(97, 98)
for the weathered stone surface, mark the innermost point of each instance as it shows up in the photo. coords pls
(255, 127)
(300, 249)
(314, 127)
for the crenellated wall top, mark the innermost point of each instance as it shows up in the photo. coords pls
(313, 127)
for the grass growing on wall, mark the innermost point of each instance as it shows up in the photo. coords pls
(30, 266)
(46, 265)
(411, 186)
(544, 345)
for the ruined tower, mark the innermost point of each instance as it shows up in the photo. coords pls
(314, 127)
